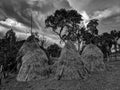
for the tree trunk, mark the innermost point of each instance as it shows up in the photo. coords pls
(78, 46)
(115, 50)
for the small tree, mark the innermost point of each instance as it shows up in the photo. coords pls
(92, 26)
(115, 37)
(54, 50)
(105, 44)
(91, 31)
(10, 37)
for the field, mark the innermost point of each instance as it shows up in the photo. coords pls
(107, 80)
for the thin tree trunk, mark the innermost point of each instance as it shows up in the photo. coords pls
(115, 50)
(78, 46)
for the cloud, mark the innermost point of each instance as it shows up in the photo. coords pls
(46, 6)
(79, 5)
(19, 12)
(18, 8)
(106, 13)
(117, 19)
(109, 19)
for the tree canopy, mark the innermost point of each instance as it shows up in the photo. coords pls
(92, 26)
(64, 23)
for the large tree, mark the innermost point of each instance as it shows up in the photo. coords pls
(66, 24)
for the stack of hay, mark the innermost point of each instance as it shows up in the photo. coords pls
(92, 57)
(34, 62)
(69, 66)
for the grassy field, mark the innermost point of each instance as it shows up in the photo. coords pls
(107, 80)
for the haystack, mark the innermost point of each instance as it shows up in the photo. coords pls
(29, 45)
(92, 57)
(34, 62)
(69, 66)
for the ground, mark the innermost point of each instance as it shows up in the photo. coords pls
(107, 80)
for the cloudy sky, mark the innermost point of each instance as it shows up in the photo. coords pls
(16, 14)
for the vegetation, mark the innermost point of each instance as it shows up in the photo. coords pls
(8, 52)
(67, 25)
(54, 50)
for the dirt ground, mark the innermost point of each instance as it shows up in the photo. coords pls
(107, 80)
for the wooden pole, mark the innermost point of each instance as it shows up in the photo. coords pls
(31, 25)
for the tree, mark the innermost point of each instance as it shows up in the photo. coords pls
(105, 44)
(10, 37)
(92, 26)
(115, 37)
(65, 23)
(8, 51)
(92, 30)
(54, 50)
(90, 34)
(87, 37)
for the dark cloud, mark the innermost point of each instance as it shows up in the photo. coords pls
(39, 5)
(21, 11)
(18, 8)
(100, 5)
(110, 23)
(79, 5)
(108, 11)
(114, 18)
(15, 9)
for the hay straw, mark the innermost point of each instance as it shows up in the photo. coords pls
(69, 66)
(92, 57)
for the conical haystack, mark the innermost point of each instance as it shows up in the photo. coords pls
(92, 57)
(69, 65)
(29, 45)
(34, 63)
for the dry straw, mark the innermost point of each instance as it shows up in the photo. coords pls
(92, 57)
(34, 63)
(69, 66)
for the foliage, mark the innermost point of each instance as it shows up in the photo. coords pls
(8, 51)
(115, 37)
(109, 39)
(54, 50)
(92, 26)
(115, 34)
(64, 23)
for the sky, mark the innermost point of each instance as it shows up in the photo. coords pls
(16, 14)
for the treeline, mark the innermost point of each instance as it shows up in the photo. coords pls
(68, 25)
(9, 48)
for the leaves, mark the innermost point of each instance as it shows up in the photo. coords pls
(92, 26)
(64, 23)
(54, 50)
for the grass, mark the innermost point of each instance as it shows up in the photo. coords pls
(107, 80)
